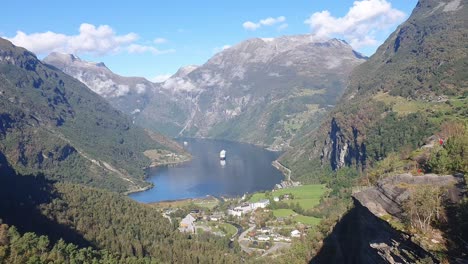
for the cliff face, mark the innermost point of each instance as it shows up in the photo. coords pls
(361, 236)
(340, 151)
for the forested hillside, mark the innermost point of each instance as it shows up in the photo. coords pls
(45, 221)
(51, 123)
(416, 81)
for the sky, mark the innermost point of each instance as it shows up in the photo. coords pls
(155, 38)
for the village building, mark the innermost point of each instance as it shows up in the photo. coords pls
(260, 204)
(216, 216)
(296, 233)
(187, 225)
(263, 238)
(235, 212)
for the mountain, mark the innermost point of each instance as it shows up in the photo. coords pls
(416, 81)
(264, 91)
(52, 124)
(128, 94)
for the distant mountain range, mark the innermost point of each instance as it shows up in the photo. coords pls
(262, 91)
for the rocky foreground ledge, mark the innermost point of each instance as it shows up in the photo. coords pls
(362, 236)
(387, 196)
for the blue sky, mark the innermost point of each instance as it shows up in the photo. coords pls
(155, 38)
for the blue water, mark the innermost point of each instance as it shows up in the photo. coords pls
(247, 169)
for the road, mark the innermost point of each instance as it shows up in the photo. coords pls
(277, 246)
(243, 242)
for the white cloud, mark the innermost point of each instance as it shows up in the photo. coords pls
(140, 88)
(269, 21)
(160, 40)
(179, 84)
(283, 26)
(250, 25)
(360, 25)
(160, 78)
(137, 48)
(91, 39)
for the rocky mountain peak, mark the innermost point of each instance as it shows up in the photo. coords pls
(65, 57)
(257, 73)
(65, 60)
(184, 71)
(10, 54)
(97, 76)
(429, 7)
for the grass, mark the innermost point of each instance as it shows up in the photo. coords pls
(283, 212)
(206, 202)
(307, 196)
(403, 106)
(308, 220)
(229, 229)
(209, 204)
(305, 203)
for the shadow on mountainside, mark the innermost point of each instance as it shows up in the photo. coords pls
(20, 197)
(361, 237)
(455, 228)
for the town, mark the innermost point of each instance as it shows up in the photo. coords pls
(261, 223)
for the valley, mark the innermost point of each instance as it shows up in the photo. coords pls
(282, 144)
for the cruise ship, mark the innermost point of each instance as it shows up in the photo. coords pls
(222, 155)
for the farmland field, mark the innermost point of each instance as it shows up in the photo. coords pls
(307, 196)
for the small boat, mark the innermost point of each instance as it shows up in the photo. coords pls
(185, 143)
(222, 155)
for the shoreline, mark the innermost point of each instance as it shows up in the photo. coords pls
(155, 165)
(286, 172)
(184, 200)
(150, 185)
(141, 189)
(283, 169)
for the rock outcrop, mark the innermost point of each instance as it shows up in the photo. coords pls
(387, 197)
(362, 236)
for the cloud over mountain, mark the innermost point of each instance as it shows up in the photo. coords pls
(360, 25)
(269, 21)
(91, 39)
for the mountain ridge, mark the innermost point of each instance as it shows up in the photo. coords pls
(416, 77)
(299, 75)
(248, 78)
(53, 124)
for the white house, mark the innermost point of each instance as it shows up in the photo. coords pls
(296, 233)
(264, 230)
(187, 224)
(235, 212)
(263, 238)
(260, 204)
